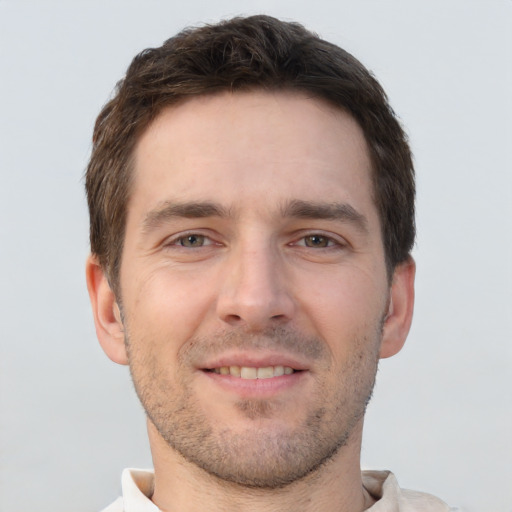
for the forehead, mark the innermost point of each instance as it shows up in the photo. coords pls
(251, 149)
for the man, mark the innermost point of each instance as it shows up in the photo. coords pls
(251, 197)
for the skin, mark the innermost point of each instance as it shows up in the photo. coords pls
(252, 239)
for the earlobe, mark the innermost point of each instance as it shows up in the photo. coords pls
(400, 309)
(107, 316)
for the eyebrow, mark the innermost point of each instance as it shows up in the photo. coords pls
(343, 212)
(296, 208)
(171, 210)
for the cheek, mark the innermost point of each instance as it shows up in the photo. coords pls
(345, 308)
(165, 309)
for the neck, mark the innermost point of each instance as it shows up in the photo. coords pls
(334, 487)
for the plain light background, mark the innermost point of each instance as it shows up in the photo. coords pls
(441, 417)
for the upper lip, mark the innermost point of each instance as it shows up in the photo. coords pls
(254, 360)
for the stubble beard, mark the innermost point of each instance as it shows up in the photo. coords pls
(263, 455)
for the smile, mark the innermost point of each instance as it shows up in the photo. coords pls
(248, 372)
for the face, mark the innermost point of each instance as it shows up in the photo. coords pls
(253, 284)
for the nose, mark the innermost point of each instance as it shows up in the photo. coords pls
(255, 293)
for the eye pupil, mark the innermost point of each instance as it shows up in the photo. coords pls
(316, 241)
(192, 240)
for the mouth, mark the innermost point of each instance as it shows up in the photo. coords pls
(252, 373)
(256, 375)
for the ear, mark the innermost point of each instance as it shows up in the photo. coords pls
(107, 316)
(401, 304)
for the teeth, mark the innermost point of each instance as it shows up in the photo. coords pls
(235, 371)
(279, 370)
(248, 372)
(266, 373)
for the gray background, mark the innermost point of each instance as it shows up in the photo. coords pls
(441, 417)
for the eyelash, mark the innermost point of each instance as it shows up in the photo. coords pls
(302, 241)
(328, 240)
(178, 241)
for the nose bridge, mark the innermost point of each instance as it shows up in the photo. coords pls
(254, 292)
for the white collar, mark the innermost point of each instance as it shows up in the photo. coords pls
(138, 484)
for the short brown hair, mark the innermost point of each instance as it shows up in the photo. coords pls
(257, 52)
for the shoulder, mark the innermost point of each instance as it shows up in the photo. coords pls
(137, 487)
(383, 486)
(117, 506)
(415, 500)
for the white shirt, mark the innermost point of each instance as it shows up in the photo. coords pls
(137, 485)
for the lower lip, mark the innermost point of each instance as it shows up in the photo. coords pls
(257, 387)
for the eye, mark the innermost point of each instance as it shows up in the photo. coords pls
(319, 241)
(192, 240)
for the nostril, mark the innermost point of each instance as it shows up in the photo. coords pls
(254, 310)
(233, 318)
